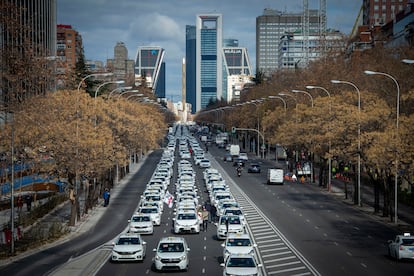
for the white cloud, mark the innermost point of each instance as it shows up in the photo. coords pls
(103, 23)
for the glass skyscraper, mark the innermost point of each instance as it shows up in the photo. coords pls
(150, 67)
(209, 60)
(190, 66)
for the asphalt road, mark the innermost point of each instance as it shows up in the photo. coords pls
(111, 224)
(297, 228)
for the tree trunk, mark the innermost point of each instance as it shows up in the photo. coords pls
(386, 207)
(376, 196)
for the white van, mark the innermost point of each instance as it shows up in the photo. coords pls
(275, 176)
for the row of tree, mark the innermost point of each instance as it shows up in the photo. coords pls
(82, 137)
(330, 129)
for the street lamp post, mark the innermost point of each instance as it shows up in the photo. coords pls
(77, 126)
(119, 89)
(359, 135)
(329, 144)
(296, 109)
(258, 125)
(304, 92)
(396, 138)
(280, 98)
(311, 98)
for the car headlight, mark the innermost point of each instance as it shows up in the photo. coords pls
(183, 257)
(157, 258)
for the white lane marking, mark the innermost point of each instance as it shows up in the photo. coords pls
(289, 270)
(271, 244)
(278, 254)
(265, 237)
(280, 260)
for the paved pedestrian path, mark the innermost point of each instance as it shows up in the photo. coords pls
(62, 214)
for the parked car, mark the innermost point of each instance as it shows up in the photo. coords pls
(241, 264)
(129, 247)
(171, 253)
(141, 223)
(238, 244)
(402, 247)
(254, 168)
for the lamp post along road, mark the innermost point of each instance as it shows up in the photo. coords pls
(75, 189)
(296, 114)
(396, 138)
(330, 128)
(311, 98)
(359, 136)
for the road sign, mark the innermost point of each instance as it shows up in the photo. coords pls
(233, 130)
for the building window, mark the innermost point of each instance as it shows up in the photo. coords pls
(376, 7)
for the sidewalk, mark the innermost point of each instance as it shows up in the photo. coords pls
(62, 214)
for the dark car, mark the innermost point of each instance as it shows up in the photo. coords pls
(238, 162)
(228, 157)
(254, 168)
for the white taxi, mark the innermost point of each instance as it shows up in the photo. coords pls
(186, 221)
(171, 254)
(227, 225)
(141, 223)
(238, 244)
(129, 247)
(241, 264)
(402, 247)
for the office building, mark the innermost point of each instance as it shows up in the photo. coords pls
(271, 27)
(69, 49)
(209, 59)
(237, 73)
(150, 69)
(292, 44)
(120, 65)
(380, 12)
(28, 34)
(190, 66)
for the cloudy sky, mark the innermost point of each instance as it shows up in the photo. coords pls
(102, 23)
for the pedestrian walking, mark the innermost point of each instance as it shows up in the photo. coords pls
(294, 178)
(213, 212)
(106, 196)
(208, 208)
(19, 203)
(29, 200)
(205, 214)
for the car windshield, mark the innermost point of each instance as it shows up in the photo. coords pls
(186, 216)
(128, 241)
(241, 262)
(239, 242)
(171, 247)
(140, 219)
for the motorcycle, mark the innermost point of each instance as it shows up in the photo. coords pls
(239, 170)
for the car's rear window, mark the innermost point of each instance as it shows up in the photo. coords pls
(408, 241)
